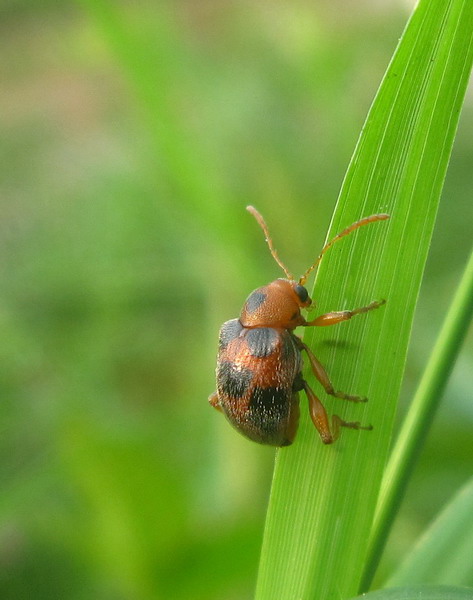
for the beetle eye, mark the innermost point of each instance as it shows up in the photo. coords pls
(302, 293)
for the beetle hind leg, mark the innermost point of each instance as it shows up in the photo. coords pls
(318, 415)
(337, 423)
(319, 418)
(215, 402)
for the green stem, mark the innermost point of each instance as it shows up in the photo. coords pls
(419, 418)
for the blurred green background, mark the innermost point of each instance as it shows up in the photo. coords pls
(133, 135)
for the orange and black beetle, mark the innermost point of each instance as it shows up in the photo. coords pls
(259, 364)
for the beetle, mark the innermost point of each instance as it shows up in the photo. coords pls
(259, 362)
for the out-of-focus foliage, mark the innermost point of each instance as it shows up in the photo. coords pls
(443, 552)
(125, 244)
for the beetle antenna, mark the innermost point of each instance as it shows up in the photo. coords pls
(264, 227)
(352, 227)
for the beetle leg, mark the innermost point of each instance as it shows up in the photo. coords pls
(319, 418)
(215, 402)
(337, 422)
(318, 415)
(332, 318)
(323, 377)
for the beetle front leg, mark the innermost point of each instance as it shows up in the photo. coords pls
(332, 318)
(323, 377)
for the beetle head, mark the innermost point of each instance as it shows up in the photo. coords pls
(277, 304)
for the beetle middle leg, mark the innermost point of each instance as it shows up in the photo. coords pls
(319, 418)
(323, 377)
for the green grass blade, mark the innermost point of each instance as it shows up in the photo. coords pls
(443, 554)
(420, 415)
(421, 592)
(323, 498)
